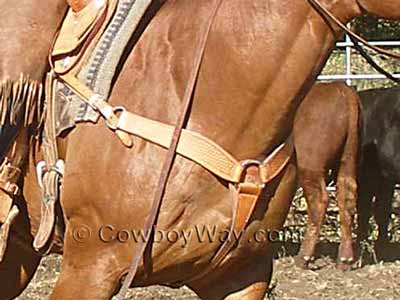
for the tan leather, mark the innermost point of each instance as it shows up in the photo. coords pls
(78, 5)
(276, 161)
(10, 173)
(78, 35)
(191, 145)
(51, 178)
(42, 242)
(250, 179)
(76, 28)
(99, 105)
(5, 206)
(5, 230)
(245, 196)
(9, 176)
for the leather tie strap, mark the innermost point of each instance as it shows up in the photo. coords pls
(5, 230)
(9, 175)
(245, 197)
(97, 103)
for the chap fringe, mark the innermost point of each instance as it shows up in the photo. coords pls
(21, 101)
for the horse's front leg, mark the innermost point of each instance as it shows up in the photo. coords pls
(17, 268)
(239, 283)
(89, 271)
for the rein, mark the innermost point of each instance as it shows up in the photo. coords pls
(169, 160)
(373, 63)
(322, 10)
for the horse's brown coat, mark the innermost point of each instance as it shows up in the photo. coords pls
(261, 58)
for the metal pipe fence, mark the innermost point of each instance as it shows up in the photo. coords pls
(348, 76)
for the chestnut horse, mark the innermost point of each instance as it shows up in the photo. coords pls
(326, 136)
(261, 59)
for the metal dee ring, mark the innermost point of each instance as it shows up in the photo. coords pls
(112, 122)
(250, 162)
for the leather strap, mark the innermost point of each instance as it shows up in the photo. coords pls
(10, 171)
(192, 145)
(5, 230)
(372, 62)
(9, 175)
(76, 28)
(51, 178)
(322, 10)
(245, 196)
(96, 102)
(169, 160)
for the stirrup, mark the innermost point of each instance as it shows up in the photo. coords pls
(49, 179)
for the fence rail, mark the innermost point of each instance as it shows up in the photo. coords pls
(349, 76)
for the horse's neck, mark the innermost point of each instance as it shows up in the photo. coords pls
(78, 5)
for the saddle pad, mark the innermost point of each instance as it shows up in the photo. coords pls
(99, 69)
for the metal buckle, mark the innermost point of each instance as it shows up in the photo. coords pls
(112, 121)
(40, 169)
(250, 187)
(11, 188)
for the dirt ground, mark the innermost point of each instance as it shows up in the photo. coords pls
(376, 281)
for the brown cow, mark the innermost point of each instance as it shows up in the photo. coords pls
(326, 136)
(282, 43)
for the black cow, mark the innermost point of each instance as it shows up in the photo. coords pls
(379, 169)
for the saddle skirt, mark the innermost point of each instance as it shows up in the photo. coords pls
(92, 52)
(76, 27)
(79, 32)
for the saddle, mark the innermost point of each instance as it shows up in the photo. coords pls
(77, 36)
(83, 34)
(79, 33)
